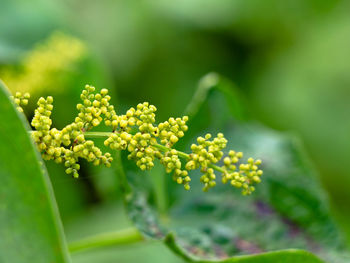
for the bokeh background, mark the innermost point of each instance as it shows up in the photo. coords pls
(291, 59)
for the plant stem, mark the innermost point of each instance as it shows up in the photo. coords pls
(124, 185)
(121, 237)
(166, 149)
(159, 185)
(97, 134)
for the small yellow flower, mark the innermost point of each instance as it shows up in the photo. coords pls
(40, 68)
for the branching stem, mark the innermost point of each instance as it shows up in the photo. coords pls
(158, 146)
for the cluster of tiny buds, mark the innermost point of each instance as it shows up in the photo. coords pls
(20, 100)
(95, 108)
(206, 152)
(170, 131)
(69, 144)
(172, 163)
(136, 132)
(241, 175)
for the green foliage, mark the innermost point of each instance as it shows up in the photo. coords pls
(289, 57)
(289, 210)
(31, 230)
(310, 87)
(282, 256)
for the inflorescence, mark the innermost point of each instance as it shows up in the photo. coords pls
(136, 132)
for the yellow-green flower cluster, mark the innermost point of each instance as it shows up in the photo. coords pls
(95, 108)
(139, 144)
(243, 176)
(208, 178)
(69, 144)
(172, 163)
(206, 152)
(142, 151)
(20, 100)
(38, 70)
(136, 132)
(171, 131)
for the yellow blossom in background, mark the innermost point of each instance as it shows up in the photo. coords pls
(41, 68)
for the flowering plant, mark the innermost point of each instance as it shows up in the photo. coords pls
(136, 132)
(287, 211)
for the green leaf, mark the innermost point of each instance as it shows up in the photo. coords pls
(282, 256)
(285, 256)
(30, 226)
(287, 216)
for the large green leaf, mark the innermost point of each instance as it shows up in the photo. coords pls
(287, 216)
(30, 226)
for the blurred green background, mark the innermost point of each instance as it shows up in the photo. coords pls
(290, 58)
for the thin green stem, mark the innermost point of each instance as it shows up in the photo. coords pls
(124, 184)
(97, 134)
(166, 149)
(159, 185)
(121, 237)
